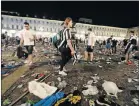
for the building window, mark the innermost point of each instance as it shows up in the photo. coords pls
(12, 26)
(34, 21)
(35, 28)
(1, 18)
(12, 19)
(16, 26)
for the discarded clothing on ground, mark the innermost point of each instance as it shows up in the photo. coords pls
(41, 90)
(62, 84)
(50, 100)
(26, 104)
(92, 90)
(111, 87)
(102, 101)
(70, 99)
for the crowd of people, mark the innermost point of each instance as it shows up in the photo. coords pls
(68, 45)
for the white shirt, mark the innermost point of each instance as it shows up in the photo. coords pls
(26, 35)
(91, 39)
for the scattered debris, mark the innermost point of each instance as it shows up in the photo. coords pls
(111, 87)
(41, 90)
(59, 79)
(62, 84)
(95, 78)
(26, 104)
(92, 90)
(90, 82)
(136, 101)
(6, 102)
(20, 86)
(129, 79)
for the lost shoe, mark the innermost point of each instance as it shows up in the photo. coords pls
(62, 73)
(74, 62)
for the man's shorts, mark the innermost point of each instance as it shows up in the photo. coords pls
(89, 49)
(108, 46)
(131, 49)
(29, 49)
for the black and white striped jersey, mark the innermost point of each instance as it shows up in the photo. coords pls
(65, 35)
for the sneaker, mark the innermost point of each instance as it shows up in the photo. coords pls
(129, 62)
(62, 73)
(74, 62)
(64, 69)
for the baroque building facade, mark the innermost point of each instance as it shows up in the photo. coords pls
(45, 27)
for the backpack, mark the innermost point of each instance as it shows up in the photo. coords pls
(3, 36)
(57, 39)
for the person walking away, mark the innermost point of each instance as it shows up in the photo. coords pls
(108, 46)
(90, 45)
(114, 44)
(27, 39)
(65, 47)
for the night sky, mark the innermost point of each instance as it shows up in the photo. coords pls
(110, 13)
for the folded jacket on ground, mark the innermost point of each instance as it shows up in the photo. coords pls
(41, 90)
(50, 100)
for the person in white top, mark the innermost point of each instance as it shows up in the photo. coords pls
(90, 44)
(130, 47)
(27, 39)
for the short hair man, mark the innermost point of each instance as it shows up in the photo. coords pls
(27, 38)
(130, 47)
(90, 44)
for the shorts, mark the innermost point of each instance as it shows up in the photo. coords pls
(131, 49)
(29, 49)
(89, 49)
(108, 46)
